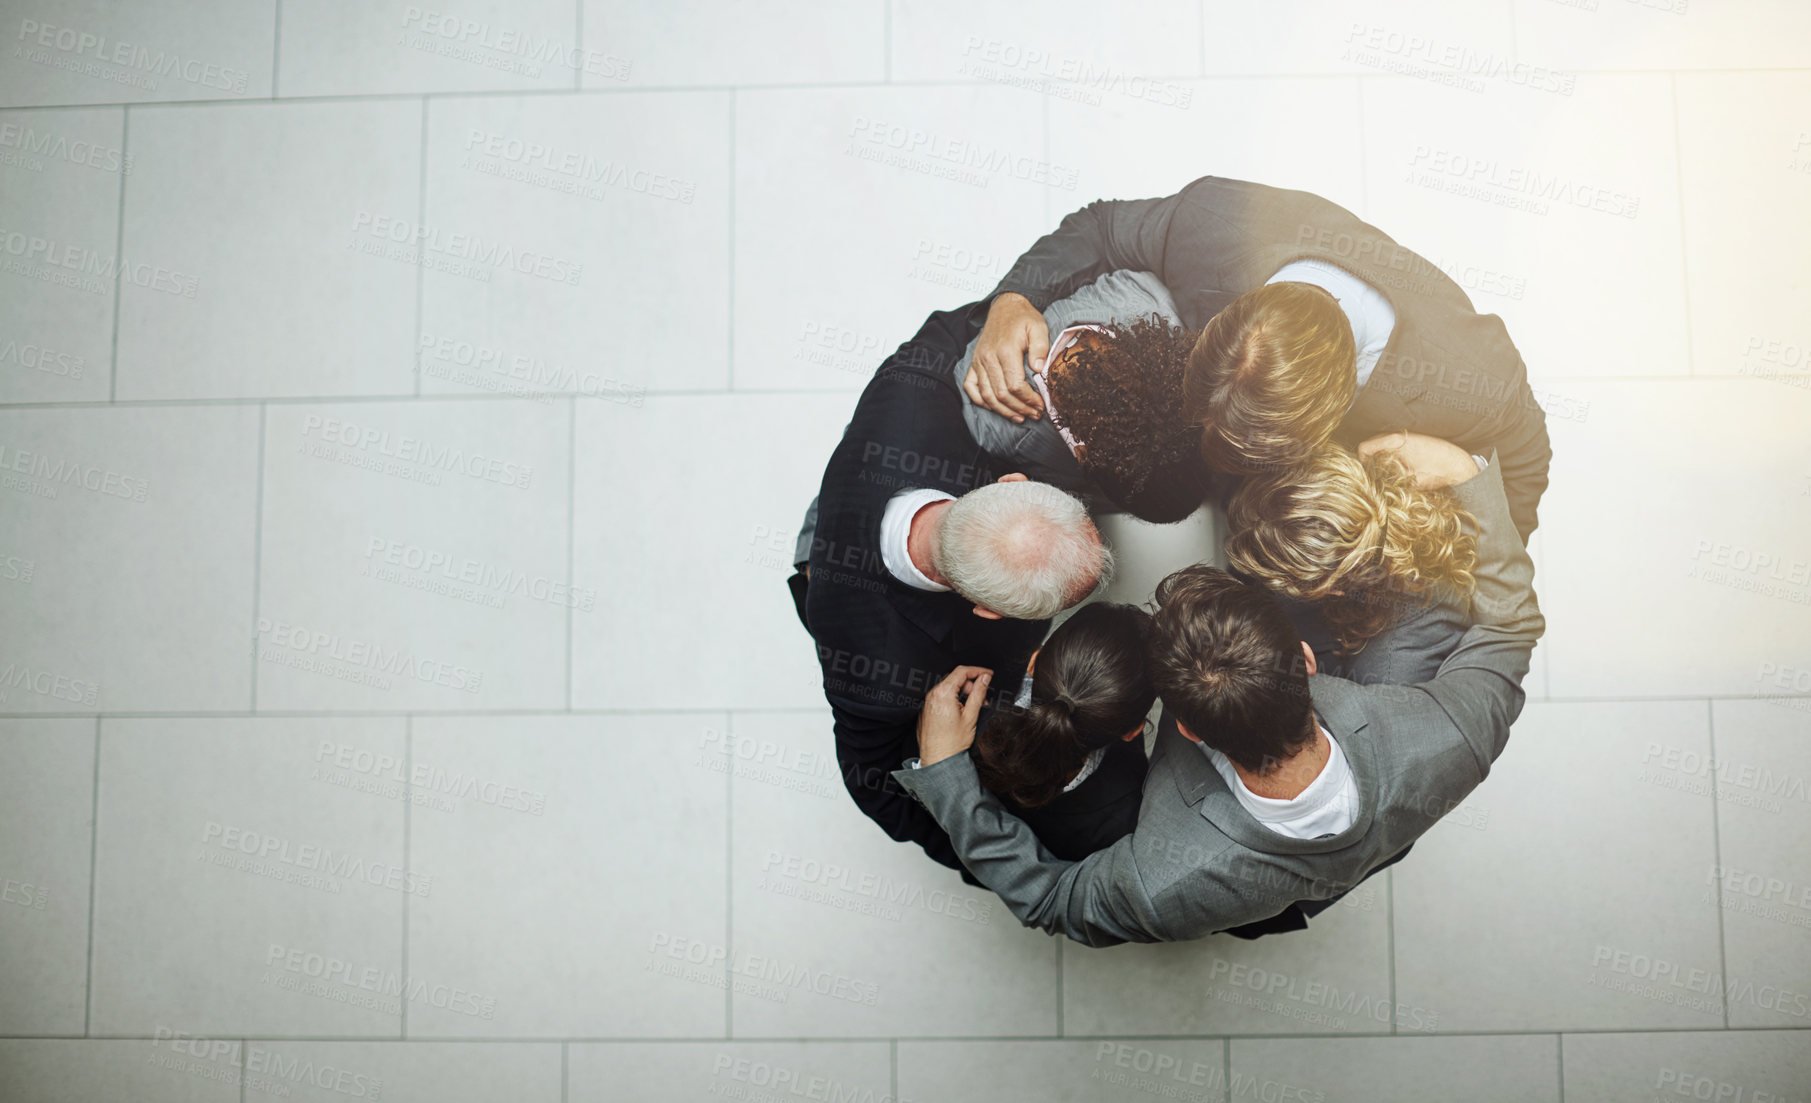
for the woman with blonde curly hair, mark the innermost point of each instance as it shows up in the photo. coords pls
(1369, 540)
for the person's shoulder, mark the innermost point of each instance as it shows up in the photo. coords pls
(1123, 294)
(1404, 729)
(1345, 705)
(1196, 877)
(1245, 198)
(910, 376)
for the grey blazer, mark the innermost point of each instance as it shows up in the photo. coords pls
(1197, 862)
(1120, 296)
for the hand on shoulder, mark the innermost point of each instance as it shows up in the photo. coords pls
(1435, 462)
(996, 375)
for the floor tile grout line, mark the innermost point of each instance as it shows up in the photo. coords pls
(1685, 282)
(276, 47)
(847, 1039)
(1226, 1068)
(1716, 843)
(408, 771)
(94, 849)
(119, 246)
(1560, 1053)
(729, 879)
(1405, 80)
(421, 219)
(1201, 39)
(547, 397)
(1389, 897)
(730, 312)
(701, 710)
(578, 85)
(572, 536)
(257, 553)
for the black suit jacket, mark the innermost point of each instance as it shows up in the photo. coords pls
(882, 644)
(1095, 814)
(1447, 370)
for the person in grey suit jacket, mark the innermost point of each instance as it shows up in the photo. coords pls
(1314, 324)
(1233, 829)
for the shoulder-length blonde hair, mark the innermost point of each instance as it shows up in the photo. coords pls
(1359, 538)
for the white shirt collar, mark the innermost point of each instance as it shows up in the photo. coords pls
(1371, 315)
(896, 531)
(1088, 768)
(1327, 806)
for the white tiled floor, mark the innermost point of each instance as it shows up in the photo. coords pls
(219, 193)
(396, 673)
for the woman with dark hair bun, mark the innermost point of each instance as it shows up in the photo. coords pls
(1066, 757)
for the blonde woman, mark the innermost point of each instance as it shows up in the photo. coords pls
(1356, 544)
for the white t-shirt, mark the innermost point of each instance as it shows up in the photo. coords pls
(1371, 314)
(896, 532)
(1328, 806)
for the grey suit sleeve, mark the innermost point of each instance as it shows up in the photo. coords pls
(1479, 686)
(1099, 901)
(1519, 434)
(1104, 235)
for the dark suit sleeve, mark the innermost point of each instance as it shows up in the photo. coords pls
(1103, 236)
(869, 750)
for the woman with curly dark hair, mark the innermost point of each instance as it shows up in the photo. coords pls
(1112, 384)
(1066, 756)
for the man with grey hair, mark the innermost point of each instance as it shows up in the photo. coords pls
(918, 557)
(1017, 548)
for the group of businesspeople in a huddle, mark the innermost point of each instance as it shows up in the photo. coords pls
(1348, 679)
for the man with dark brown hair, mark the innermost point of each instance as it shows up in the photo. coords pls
(1229, 664)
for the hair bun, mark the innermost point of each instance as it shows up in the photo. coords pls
(1063, 702)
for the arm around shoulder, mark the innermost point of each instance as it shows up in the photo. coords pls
(1098, 901)
(1479, 686)
(1105, 235)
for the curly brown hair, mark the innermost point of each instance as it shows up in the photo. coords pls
(1120, 396)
